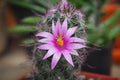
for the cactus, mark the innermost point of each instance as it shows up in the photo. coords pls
(63, 70)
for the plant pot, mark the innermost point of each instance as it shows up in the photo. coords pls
(99, 60)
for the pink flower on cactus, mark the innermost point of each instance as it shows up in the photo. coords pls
(64, 6)
(51, 12)
(60, 42)
(80, 15)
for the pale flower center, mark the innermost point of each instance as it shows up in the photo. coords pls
(60, 41)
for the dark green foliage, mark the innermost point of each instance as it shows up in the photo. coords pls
(106, 32)
(36, 5)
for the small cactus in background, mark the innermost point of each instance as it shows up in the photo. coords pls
(62, 32)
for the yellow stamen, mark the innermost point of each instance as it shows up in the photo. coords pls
(60, 41)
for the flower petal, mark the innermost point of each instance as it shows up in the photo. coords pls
(58, 27)
(45, 47)
(64, 26)
(80, 15)
(68, 57)
(45, 34)
(64, 1)
(53, 27)
(48, 54)
(77, 46)
(45, 40)
(74, 52)
(71, 31)
(74, 39)
(55, 59)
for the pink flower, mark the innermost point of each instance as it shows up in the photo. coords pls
(60, 42)
(80, 15)
(51, 12)
(64, 6)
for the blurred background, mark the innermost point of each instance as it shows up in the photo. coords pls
(20, 18)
